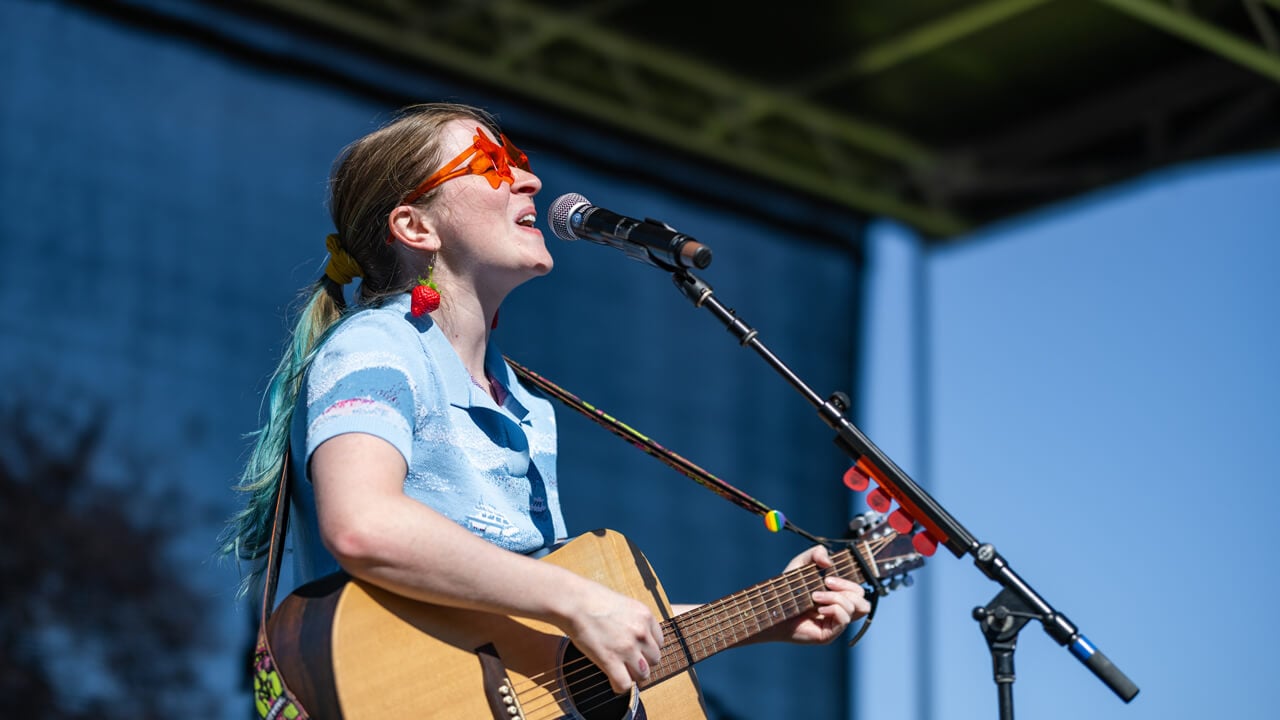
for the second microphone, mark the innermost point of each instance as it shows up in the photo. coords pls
(573, 217)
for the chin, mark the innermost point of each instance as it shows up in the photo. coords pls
(543, 265)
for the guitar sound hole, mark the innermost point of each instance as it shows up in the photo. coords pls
(590, 693)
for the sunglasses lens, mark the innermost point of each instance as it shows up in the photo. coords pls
(485, 158)
(514, 154)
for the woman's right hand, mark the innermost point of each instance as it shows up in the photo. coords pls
(382, 536)
(619, 634)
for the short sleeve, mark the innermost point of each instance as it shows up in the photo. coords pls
(361, 380)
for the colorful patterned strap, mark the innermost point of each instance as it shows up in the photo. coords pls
(774, 520)
(271, 695)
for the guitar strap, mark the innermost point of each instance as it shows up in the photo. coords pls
(272, 696)
(774, 519)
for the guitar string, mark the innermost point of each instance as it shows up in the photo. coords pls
(700, 636)
(605, 694)
(707, 614)
(601, 692)
(809, 580)
(733, 604)
(844, 567)
(590, 699)
(759, 597)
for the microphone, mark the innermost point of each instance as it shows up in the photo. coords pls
(573, 217)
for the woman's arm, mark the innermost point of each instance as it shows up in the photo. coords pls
(382, 536)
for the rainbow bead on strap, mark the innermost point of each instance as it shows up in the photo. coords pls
(775, 520)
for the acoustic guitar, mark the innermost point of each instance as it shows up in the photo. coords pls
(353, 651)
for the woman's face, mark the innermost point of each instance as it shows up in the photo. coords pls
(488, 235)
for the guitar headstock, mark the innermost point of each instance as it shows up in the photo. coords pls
(893, 553)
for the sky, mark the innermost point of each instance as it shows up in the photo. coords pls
(1091, 389)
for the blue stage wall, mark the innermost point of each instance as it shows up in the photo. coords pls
(163, 180)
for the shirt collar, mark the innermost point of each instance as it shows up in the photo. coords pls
(459, 388)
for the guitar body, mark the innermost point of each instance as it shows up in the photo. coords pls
(353, 651)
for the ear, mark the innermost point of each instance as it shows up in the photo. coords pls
(411, 226)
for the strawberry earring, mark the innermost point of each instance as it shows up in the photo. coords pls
(425, 297)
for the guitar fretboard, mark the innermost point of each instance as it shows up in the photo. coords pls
(704, 631)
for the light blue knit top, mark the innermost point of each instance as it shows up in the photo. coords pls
(489, 468)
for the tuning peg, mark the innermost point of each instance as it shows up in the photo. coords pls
(865, 522)
(859, 524)
(897, 581)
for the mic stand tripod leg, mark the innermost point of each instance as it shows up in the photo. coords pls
(1001, 620)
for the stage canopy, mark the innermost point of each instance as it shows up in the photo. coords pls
(945, 116)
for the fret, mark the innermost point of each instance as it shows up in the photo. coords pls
(706, 630)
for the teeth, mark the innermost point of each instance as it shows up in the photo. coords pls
(527, 219)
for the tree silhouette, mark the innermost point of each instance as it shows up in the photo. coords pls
(96, 621)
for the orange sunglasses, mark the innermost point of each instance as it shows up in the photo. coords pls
(484, 157)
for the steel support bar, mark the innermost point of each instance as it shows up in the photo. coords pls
(927, 38)
(635, 111)
(1195, 30)
(867, 136)
(942, 32)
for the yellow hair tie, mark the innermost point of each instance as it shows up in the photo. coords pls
(342, 268)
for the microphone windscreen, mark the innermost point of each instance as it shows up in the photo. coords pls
(561, 209)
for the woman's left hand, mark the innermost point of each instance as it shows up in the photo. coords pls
(840, 604)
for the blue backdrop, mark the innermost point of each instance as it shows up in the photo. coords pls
(164, 187)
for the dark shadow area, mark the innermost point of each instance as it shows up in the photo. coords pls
(95, 620)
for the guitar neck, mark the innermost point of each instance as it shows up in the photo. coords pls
(698, 634)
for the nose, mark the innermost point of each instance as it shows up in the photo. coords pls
(525, 182)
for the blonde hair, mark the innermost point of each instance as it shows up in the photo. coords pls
(369, 179)
(373, 174)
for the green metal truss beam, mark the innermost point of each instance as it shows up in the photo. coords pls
(567, 62)
(1195, 30)
(925, 39)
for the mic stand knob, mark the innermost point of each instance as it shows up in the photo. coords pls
(1001, 620)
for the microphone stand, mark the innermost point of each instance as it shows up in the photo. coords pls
(1013, 606)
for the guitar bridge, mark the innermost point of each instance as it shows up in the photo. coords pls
(497, 686)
